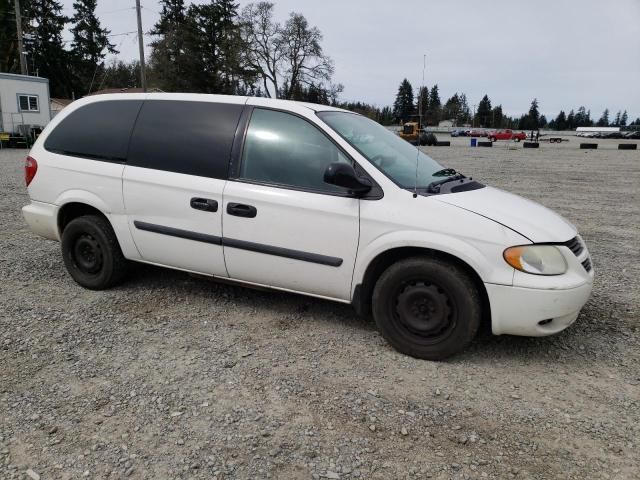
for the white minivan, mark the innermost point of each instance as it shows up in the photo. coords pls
(302, 198)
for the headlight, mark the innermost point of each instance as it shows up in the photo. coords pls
(536, 259)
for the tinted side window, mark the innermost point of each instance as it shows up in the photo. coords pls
(283, 149)
(185, 137)
(99, 130)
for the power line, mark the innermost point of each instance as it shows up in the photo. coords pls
(120, 34)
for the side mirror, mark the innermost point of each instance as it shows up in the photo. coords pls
(344, 175)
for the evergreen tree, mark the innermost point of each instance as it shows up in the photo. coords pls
(386, 116)
(583, 118)
(90, 45)
(561, 121)
(423, 103)
(616, 121)
(532, 119)
(542, 122)
(465, 111)
(9, 59)
(119, 74)
(213, 42)
(623, 119)
(46, 56)
(403, 107)
(604, 119)
(497, 117)
(571, 120)
(452, 109)
(434, 112)
(172, 68)
(483, 115)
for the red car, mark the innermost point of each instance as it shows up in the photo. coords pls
(507, 135)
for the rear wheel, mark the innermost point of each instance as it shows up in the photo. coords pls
(92, 254)
(516, 139)
(426, 307)
(492, 139)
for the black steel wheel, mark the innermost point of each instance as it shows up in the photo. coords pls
(426, 307)
(92, 254)
(87, 254)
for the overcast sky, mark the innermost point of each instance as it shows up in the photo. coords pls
(566, 53)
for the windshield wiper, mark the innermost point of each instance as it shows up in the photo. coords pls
(434, 187)
(445, 172)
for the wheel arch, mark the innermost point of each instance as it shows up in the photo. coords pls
(72, 210)
(364, 290)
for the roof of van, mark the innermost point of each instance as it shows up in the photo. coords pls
(131, 94)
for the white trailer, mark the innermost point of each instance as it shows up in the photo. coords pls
(24, 103)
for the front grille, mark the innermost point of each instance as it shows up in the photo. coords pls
(575, 245)
(587, 264)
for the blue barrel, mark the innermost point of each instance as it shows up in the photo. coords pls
(473, 142)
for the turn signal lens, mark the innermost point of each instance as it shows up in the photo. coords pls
(536, 259)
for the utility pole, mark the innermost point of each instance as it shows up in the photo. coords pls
(23, 61)
(143, 76)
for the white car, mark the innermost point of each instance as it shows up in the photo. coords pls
(302, 198)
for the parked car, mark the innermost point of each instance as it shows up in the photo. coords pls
(302, 198)
(476, 133)
(458, 133)
(506, 135)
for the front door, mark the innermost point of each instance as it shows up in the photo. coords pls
(283, 226)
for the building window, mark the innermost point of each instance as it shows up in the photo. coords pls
(28, 103)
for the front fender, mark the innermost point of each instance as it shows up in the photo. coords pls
(484, 257)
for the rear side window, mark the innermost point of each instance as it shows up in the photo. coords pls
(98, 131)
(194, 138)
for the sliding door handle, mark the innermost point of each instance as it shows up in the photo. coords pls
(204, 204)
(241, 210)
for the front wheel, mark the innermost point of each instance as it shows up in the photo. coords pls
(92, 254)
(426, 307)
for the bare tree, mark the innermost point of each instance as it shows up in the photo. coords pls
(266, 49)
(306, 63)
(287, 57)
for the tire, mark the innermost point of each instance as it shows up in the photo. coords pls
(516, 139)
(492, 139)
(92, 254)
(426, 308)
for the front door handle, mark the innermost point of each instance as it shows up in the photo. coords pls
(205, 204)
(241, 210)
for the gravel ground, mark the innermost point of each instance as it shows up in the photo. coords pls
(174, 376)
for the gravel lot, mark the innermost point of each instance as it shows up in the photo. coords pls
(173, 376)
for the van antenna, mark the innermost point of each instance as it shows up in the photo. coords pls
(420, 93)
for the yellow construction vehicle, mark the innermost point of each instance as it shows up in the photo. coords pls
(412, 133)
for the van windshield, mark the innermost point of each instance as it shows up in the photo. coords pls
(395, 157)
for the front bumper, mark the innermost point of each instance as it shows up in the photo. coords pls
(42, 219)
(519, 311)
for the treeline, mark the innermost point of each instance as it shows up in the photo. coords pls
(218, 48)
(208, 48)
(427, 104)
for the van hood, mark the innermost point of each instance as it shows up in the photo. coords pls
(528, 218)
